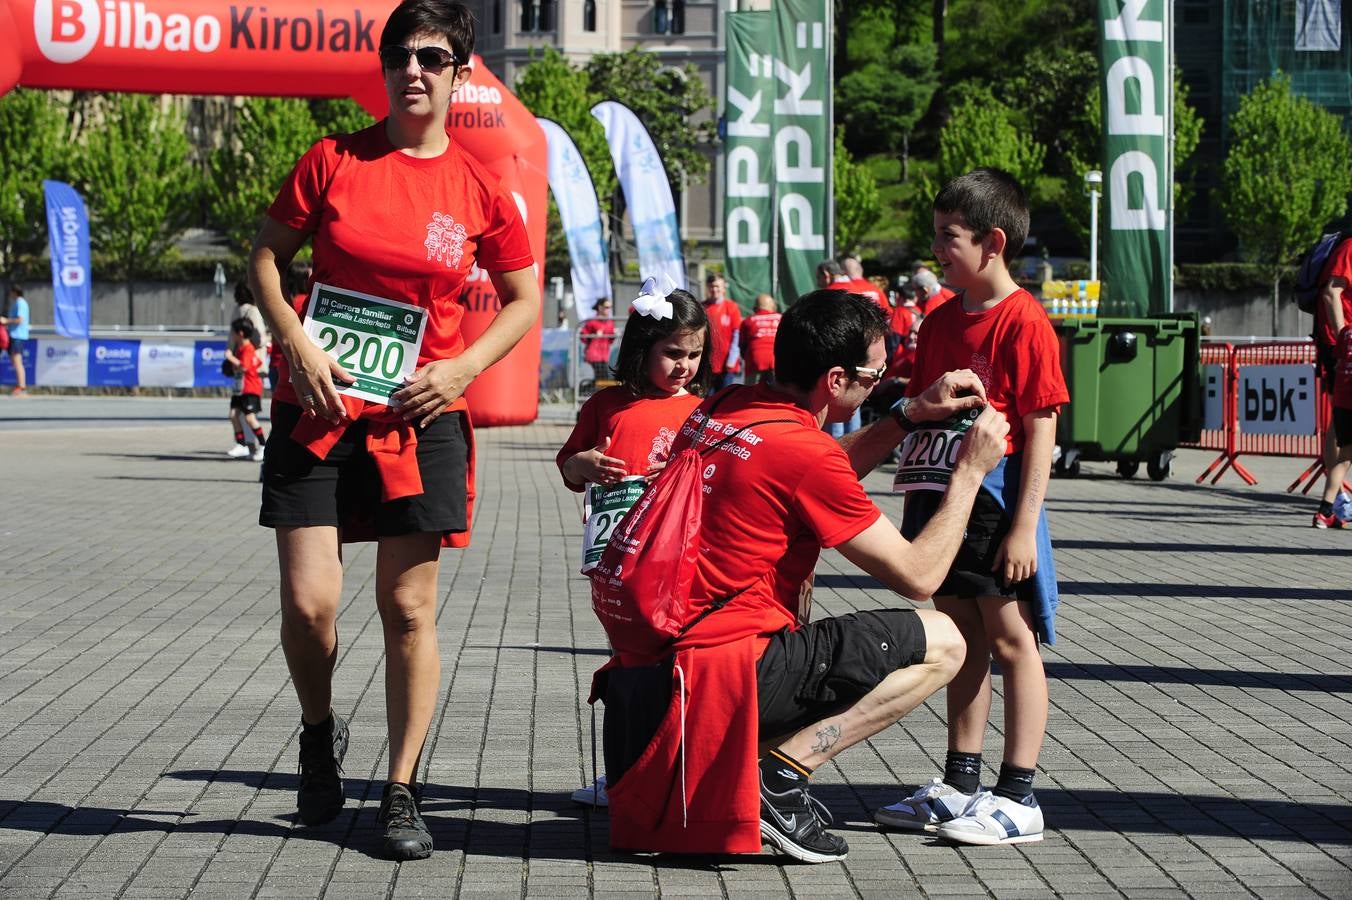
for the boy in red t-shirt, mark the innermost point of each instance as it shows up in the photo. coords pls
(1000, 589)
(758, 340)
(248, 398)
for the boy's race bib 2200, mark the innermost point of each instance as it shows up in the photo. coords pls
(929, 453)
(604, 505)
(376, 340)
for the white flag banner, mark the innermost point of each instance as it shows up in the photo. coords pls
(575, 196)
(646, 192)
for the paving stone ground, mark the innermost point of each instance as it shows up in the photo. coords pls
(1198, 744)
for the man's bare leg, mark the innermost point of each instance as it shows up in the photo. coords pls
(894, 697)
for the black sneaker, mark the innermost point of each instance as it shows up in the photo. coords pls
(320, 797)
(406, 834)
(792, 823)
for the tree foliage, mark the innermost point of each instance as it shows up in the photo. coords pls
(339, 116)
(985, 132)
(266, 138)
(858, 206)
(552, 88)
(1287, 174)
(881, 101)
(673, 104)
(139, 185)
(34, 145)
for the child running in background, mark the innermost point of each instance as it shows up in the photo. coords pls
(1001, 589)
(242, 353)
(1341, 425)
(624, 433)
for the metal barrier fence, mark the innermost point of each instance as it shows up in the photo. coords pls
(1263, 399)
(1217, 371)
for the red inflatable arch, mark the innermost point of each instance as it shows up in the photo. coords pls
(287, 48)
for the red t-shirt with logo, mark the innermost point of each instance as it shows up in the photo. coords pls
(248, 364)
(774, 496)
(1339, 263)
(725, 318)
(1012, 348)
(1342, 370)
(758, 340)
(402, 228)
(641, 429)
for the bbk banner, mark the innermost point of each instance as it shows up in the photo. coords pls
(68, 236)
(748, 152)
(803, 142)
(1136, 54)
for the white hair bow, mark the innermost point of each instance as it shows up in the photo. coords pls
(650, 303)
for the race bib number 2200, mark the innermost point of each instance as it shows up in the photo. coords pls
(929, 454)
(374, 339)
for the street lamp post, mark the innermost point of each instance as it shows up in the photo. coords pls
(1093, 181)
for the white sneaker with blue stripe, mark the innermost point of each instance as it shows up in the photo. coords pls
(991, 819)
(925, 810)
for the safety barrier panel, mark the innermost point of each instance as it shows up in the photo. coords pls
(1263, 399)
(1216, 361)
(171, 361)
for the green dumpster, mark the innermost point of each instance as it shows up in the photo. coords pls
(1135, 394)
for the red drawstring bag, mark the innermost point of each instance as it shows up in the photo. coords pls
(4, 338)
(641, 584)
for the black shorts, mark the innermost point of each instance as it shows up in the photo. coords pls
(16, 346)
(970, 575)
(247, 403)
(343, 489)
(826, 666)
(1342, 426)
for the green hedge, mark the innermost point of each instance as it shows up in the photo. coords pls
(1233, 278)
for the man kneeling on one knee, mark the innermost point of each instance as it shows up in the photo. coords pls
(754, 679)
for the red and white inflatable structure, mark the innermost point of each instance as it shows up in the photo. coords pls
(289, 48)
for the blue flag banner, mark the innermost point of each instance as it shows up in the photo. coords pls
(646, 192)
(68, 234)
(575, 196)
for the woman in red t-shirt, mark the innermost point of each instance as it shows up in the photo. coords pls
(398, 216)
(597, 335)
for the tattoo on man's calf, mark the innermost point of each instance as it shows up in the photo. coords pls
(827, 736)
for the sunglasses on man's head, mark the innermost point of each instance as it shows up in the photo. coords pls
(394, 56)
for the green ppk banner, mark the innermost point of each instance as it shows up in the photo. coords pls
(748, 152)
(803, 143)
(1136, 52)
(778, 216)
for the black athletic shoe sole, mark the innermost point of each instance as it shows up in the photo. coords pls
(788, 846)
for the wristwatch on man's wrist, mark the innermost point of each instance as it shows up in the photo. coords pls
(899, 414)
